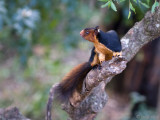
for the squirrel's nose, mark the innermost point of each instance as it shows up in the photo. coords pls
(81, 33)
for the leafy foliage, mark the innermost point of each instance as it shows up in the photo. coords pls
(140, 3)
(26, 23)
(156, 4)
(18, 24)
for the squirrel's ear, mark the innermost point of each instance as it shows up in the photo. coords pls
(97, 27)
(96, 30)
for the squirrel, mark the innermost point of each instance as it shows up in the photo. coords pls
(106, 45)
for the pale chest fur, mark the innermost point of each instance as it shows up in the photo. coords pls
(100, 48)
(104, 53)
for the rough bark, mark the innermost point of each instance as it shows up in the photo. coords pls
(93, 97)
(158, 109)
(11, 113)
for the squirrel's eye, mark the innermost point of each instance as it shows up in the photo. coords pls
(87, 32)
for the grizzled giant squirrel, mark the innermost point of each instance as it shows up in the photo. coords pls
(106, 45)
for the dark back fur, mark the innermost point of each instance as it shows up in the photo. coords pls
(92, 55)
(110, 40)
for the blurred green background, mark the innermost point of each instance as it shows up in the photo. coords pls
(40, 43)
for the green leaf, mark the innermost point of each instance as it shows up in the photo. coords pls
(107, 4)
(144, 4)
(129, 14)
(156, 4)
(113, 6)
(132, 8)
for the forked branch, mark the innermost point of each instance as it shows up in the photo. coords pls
(93, 97)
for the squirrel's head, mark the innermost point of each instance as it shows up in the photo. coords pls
(90, 33)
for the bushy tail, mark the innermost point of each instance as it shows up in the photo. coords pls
(64, 90)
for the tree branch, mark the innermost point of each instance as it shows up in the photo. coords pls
(11, 113)
(93, 97)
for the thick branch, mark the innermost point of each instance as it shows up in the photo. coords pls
(11, 113)
(93, 97)
(94, 86)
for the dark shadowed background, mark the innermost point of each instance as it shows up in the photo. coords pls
(40, 43)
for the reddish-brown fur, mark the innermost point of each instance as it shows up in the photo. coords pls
(90, 34)
(72, 80)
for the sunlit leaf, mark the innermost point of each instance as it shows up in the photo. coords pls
(107, 4)
(144, 4)
(129, 14)
(156, 4)
(113, 6)
(132, 8)
(139, 2)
